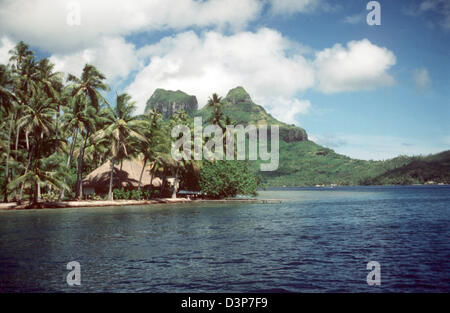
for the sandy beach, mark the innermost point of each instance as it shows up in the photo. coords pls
(94, 203)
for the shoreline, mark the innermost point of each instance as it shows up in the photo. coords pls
(99, 203)
(334, 186)
(10, 206)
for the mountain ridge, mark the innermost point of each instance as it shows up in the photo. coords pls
(305, 163)
(239, 106)
(169, 102)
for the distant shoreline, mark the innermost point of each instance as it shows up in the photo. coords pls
(105, 203)
(98, 203)
(336, 186)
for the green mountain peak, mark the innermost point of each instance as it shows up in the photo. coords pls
(169, 102)
(238, 94)
(239, 106)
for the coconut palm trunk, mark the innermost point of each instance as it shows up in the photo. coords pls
(72, 146)
(175, 186)
(30, 157)
(152, 171)
(163, 183)
(80, 192)
(35, 193)
(69, 159)
(111, 177)
(80, 167)
(5, 199)
(140, 176)
(38, 192)
(78, 170)
(16, 145)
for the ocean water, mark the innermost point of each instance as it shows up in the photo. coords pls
(316, 240)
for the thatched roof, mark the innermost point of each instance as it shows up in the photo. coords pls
(127, 177)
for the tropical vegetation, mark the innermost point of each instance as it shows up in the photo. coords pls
(55, 131)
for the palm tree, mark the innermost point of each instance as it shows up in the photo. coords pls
(37, 121)
(7, 99)
(6, 84)
(52, 84)
(26, 85)
(26, 78)
(37, 176)
(186, 164)
(155, 143)
(20, 52)
(120, 128)
(89, 85)
(79, 119)
(87, 88)
(51, 80)
(217, 118)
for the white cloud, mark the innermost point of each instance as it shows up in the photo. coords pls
(286, 109)
(359, 66)
(111, 55)
(5, 46)
(201, 65)
(271, 67)
(422, 79)
(44, 24)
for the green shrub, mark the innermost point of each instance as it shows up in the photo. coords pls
(121, 194)
(95, 197)
(136, 194)
(146, 195)
(221, 179)
(50, 196)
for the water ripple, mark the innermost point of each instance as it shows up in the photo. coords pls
(315, 241)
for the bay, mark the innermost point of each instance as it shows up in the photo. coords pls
(316, 240)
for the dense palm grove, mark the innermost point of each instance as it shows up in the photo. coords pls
(54, 132)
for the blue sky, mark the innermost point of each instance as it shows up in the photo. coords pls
(370, 92)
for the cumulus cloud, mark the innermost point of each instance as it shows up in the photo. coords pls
(359, 66)
(5, 46)
(422, 79)
(213, 62)
(111, 55)
(287, 109)
(43, 23)
(271, 67)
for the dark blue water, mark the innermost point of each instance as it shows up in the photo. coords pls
(317, 240)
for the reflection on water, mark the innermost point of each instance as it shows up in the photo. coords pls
(317, 240)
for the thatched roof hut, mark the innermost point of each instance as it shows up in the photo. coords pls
(125, 175)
